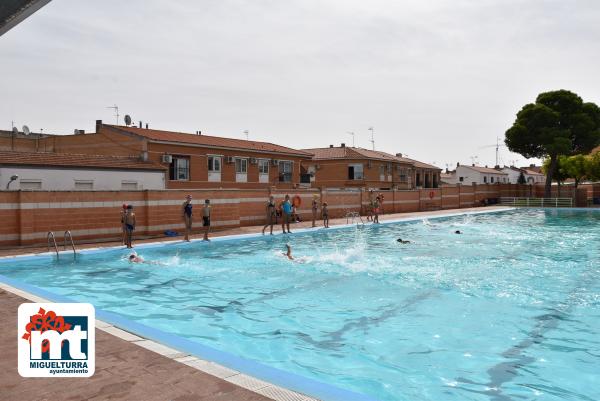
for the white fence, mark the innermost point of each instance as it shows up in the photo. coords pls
(537, 202)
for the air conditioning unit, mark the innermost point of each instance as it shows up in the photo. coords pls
(230, 159)
(253, 160)
(167, 159)
(274, 162)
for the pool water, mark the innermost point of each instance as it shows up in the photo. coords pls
(507, 310)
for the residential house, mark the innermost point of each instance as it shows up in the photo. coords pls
(468, 175)
(192, 160)
(351, 167)
(532, 177)
(57, 171)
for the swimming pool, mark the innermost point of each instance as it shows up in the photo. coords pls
(509, 309)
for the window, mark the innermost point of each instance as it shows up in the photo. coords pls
(263, 166)
(31, 184)
(485, 179)
(241, 166)
(355, 172)
(403, 175)
(285, 171)
(129, 185)
(461, 179)
(492, 179)
(214, 164)
(179, 169)
(83, 185)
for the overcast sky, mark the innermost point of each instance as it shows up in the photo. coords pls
(438, 80)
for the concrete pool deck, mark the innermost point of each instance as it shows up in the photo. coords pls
(129, 367)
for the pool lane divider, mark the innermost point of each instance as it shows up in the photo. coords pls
(288, 380)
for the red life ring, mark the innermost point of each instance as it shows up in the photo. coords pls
(431, 195)
(297, 201)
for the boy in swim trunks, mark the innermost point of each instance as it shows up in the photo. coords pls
(129, 225)
(206, 218)
(186, 215)
(376, 207)
(325, 213)
(286, 210)
(123, 226)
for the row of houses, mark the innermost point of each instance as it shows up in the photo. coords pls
(468, 175)
(156, 159)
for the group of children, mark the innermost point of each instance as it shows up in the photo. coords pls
(287, 210)
(128, 220)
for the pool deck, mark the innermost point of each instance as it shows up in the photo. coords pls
(129, 367)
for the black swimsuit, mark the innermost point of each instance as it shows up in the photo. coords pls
(188, 210)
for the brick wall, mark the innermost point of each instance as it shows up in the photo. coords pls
(27, 216)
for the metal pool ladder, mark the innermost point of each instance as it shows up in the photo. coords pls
(68, 234)
(51, 235)
(354, 215)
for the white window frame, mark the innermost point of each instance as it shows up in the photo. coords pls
(83, 182)
(125, 183)
(214, 175)
(29, 181)
(291, 173)
(263, 177)
(241, 169)
(359, 177)
(175, 168)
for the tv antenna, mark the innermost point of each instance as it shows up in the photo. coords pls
(474, 160)
(116, 109)
(15, 130)
(127, 120)
(497, 146)
(372, 137)
(26, 130)
(351, 133)
(246, 132)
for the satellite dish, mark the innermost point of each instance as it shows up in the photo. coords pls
(26, 130)
(15, 130)
(127, 119)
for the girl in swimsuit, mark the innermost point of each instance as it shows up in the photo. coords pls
(271, 214)
(186, 212)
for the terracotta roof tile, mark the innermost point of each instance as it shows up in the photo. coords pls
(360, 153)
(75, 161)
(210, 141)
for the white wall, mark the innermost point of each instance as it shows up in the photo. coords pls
(53, 178)
(471, 176)
(513, 175)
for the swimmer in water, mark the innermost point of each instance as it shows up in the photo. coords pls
(400, 240)
(457, 232)
(289, 252)
(133, 258)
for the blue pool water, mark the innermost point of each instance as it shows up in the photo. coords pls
(509, 310)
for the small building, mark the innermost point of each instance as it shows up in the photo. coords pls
(469, 175)
(56, 171)
(531, 177)
(351, 167)
(192, 160)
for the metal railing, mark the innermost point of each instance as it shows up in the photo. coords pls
(48, 236)
(536, 202)
(354, 215)
(68, 234)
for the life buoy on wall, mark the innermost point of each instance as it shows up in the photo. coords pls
(431, 195)
(297, 201)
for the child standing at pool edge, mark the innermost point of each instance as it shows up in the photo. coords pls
(325, 212)
(130, 225)
(271, 214)
(206, 218)
(186, 212)
(286, 210)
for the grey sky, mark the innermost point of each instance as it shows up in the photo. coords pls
(437, 79)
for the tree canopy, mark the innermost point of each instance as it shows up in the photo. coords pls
(558, 123)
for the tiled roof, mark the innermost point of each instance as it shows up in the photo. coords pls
(348, 152)
(75, 161)
(485, 170)
(532, 172)
(209, 141)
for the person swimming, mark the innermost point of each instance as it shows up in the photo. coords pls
(457, 232)
(133, 258)
(402, 241)
(289, 252)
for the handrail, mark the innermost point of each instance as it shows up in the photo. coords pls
(536, 202)
(51, 234)
(354, 215)
(68, 232)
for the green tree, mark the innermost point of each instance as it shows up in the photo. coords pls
(575, 167)
(521, 179)
(593, 173)
(558, 123)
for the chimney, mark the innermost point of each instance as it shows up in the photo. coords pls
(486, 166)
(343, 145)
(146, 125)
(497, 167)
(331, 146)
(98, 125)
(140, 124)
(532, 165)
(457, 164)
(473, 165)
(398, 154)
